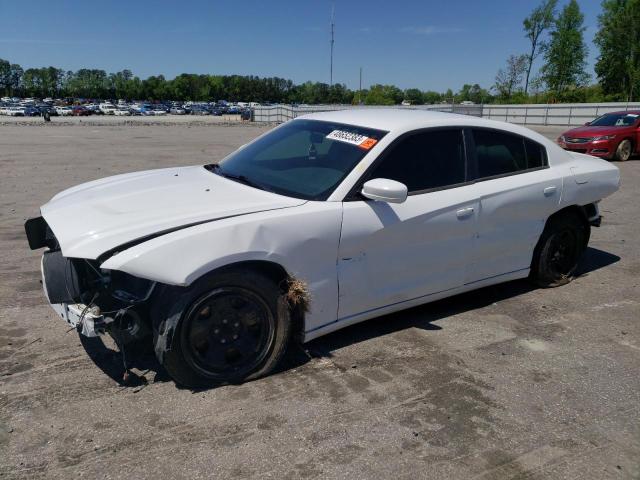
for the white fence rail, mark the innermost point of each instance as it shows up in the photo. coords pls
(563, 114)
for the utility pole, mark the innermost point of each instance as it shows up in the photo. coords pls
(333, 11)
(360, 89)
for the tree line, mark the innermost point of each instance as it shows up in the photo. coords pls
(558, 37)
(555, 37)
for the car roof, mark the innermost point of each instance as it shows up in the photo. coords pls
(400, 120)
(623, 112)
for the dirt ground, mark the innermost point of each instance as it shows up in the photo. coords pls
(506, 382)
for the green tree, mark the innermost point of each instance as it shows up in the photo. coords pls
(508, 79)
(377, 95)
(472, 93)
(535, 25)
(430, 97)
(565, 59)
(15, 79)
(414, 96)
(618, 37)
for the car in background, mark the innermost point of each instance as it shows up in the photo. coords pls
(94, 109)
(31, 111)
(159, 110)
(325, 221)
(64, 111)
(614, 136)
(108, 108)
(146, 109)
(175, 110)
(80, 111)
(122, 111)
(199, 110)
(15, 111)
(47, 109)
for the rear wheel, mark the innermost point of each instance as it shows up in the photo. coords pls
(559, 249)
(623, 152)
(232, 327)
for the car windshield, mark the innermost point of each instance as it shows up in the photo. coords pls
(303, 158)
(615, 120)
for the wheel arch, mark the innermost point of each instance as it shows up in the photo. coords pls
(273, 270)
(284, 279)
(580, 211)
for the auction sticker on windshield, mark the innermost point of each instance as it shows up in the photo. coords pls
(361, 141)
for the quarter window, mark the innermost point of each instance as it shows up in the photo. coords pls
(501, 153)
(426, 160)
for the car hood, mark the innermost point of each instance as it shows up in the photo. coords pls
(587, 131)
(96, 217)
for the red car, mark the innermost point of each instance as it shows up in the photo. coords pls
(614, 135)
(80, 111)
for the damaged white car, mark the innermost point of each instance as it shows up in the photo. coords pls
(325, 221)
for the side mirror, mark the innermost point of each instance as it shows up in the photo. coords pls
(385, 190)
(587, 124)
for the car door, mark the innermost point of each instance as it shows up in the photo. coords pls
(517, 192)
(391, 253)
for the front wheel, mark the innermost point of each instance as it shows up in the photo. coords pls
(231, 327)
(559, 249)
(623, 152)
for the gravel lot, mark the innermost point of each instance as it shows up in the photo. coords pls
(506, 382)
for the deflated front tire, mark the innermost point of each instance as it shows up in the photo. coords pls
(227, 327)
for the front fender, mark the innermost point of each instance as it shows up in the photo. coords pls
(303, 240)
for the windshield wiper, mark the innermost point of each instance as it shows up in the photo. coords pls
(231, 176)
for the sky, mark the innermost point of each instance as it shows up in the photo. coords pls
(428, 44)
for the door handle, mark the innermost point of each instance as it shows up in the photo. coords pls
(464, 212)
(549, 191)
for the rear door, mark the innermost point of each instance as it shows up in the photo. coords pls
(392, 253)
(517, 192)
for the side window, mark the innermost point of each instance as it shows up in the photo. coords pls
(425, 160)
(536, 154)
(498, 153)
(501, 153)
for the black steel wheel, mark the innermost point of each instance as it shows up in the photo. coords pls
(559, 249)
(229, 330)
(228, 327)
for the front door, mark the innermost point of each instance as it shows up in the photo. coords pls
(393, 253)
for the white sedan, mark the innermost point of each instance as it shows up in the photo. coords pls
(328, 220)
(64, 111)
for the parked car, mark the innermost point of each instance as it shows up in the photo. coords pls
(147, 109)
(199, 110)
(48, 109)
(80, 111)
(31, 111)
(177, 111)
(328, 220)
(107, 108)
(94, 109)
(614, 136)
(122, 111)
(15, 111)
(64, 111)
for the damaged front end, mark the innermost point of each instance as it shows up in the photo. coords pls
(92, 300)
